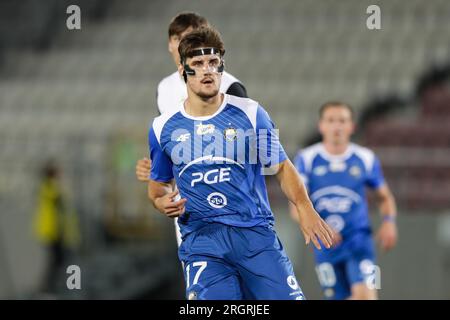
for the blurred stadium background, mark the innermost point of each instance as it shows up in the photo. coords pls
(84, 99)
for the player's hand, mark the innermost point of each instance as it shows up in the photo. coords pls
(337, 238)
(314, 228)
(169, 206)
(387, 235)
(143, 169)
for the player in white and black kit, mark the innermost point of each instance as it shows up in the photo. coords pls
(172, 89)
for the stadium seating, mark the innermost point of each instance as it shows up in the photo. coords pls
(415, 155)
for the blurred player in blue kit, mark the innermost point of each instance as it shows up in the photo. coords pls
(216, 148)
(336, 173)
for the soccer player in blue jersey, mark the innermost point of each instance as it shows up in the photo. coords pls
(172, 89)
(336, 173)
(216, 148)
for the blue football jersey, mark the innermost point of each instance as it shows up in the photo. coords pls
(217, 162)
(336, 186)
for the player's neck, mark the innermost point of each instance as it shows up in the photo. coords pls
(335, 149)
(199, 107)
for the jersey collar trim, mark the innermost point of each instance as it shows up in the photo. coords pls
(339, 157)
(204, 118)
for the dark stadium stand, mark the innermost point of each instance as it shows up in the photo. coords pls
(415, 152)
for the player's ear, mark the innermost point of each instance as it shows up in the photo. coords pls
(182, 72)
(171, 45)
(354, 127)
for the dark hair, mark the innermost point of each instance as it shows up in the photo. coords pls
(205, 37)
(183, 21)
(50, 169)
(331, 104)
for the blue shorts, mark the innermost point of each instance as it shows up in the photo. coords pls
(337, 277)
(223, 262)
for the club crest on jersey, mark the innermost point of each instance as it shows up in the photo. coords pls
(205, 129)
(320, 170)
(355, 171)
(230, 134)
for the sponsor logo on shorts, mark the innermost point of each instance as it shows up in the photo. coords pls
(192, 295)
(329, 292)
(300, 296)
(292, 282)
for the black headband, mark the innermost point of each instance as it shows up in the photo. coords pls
(201, 52)
(204, 51)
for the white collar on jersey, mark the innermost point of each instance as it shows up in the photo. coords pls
(204, 118)
(336, 157)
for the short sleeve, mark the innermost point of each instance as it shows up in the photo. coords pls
(237, 89)
(375, 178)
(161, 168)
(270, 151)
(158, 102)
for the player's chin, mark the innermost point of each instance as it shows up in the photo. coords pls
(208, 93)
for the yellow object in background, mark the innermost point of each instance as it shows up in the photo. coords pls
(53, 222)
(47, 219)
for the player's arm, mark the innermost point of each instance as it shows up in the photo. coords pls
(311, 224)
(143, 169)
(161, 186)
(300, 167)
(163, 196)
(293, 212)
(387, 234)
